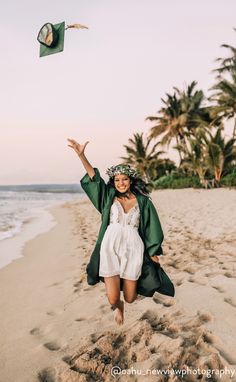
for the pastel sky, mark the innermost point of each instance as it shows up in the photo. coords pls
(106, 82)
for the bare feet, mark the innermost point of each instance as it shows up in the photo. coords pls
(119, 313)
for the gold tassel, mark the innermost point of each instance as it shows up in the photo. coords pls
(77, 26)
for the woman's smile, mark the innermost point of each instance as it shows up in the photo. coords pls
(122, 183)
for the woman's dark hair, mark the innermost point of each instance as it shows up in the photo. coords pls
(138, 186)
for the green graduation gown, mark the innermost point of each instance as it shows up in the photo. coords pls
(153, 278)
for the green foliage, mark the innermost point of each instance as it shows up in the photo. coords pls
(229, 180)
(175, 180)
(163, 167)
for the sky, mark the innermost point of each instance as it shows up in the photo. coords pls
(104, 84)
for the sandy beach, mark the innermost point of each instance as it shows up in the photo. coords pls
(54, 327)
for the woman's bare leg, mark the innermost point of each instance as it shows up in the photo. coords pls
(130, 290)
(113, 294)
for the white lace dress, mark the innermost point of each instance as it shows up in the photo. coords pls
(122, 248)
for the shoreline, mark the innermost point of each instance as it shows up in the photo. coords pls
(53, 320)
(12, 247)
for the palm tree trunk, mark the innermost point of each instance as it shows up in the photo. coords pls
(179, 151)
(234, 131)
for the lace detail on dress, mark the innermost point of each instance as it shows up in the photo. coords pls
(131, 218)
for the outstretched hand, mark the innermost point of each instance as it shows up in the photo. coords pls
(78, 148)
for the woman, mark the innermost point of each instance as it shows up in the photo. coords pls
(125, 256)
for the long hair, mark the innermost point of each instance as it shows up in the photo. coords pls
(138, 186)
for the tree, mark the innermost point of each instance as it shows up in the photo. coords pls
(180, 118)
(194, 159)
(210, 154)
(224, 94)
(143, 156)
(220, 154)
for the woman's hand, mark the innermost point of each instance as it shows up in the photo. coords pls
(155, 258)
(79, 149)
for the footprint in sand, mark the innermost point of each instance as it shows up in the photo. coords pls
(54, 284)
(167, 303)
(213, 257)
(218, 288)
(51, 313)
(229, 357)
(80, 319)
(87, 289)
(94, 337)
(179, 282)
(173, 264)
(211, 339)
(53, 346)
(199, 280)
(77, 286)
(230, 301)
(229, 274)
(212, 274)
(191, 280)
(204, 317)
(190, 270)
(163, 324)
(36, 331)
(67, 359)
(47, 375)
(137, 338)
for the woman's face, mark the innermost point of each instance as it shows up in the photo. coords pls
(122, 183)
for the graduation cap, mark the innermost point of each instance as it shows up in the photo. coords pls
(51, 37)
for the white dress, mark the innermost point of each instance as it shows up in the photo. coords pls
(122, 248)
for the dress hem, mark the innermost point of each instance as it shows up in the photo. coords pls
(121, 276)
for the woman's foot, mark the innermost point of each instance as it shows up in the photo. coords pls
(119, 312)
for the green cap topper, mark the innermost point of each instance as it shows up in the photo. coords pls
(51, 37)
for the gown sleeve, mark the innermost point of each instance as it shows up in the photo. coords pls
(96, 189)
(153, 231)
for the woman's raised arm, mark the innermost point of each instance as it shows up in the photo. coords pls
(79, 149)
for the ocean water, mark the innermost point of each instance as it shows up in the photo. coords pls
(21, 204)
(24, 213)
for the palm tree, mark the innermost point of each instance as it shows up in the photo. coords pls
(209, 154)
(225, 98)
(228, 64)
(220, 154)
(180, 118)
(194, 161)
(143, 156)
(168, 122)
(225, 88)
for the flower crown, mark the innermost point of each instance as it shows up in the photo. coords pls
(125, 169)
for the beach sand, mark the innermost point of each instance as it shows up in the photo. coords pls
(54, 327)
